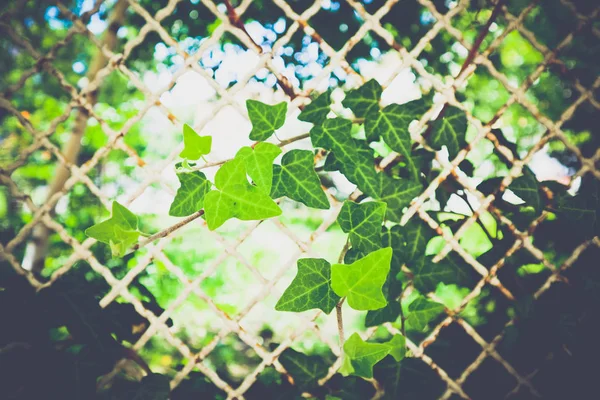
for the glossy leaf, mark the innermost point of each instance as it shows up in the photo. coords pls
(190, 195)
(449, 131)
(365, 99)
(120, 231)
(361, 356)
(316, 111)
(362, 222)
(421, 311)
(296, 178)
(259, 163)
(305, 370)
(310, 289)
(236, 198)
(362, 281)
(266, 119)
(195, 146)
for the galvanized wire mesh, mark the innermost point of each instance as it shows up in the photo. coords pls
(230, 24)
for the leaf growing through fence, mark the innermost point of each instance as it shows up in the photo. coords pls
(317, 110)
(296, 178)
(235, 197)
(259, 163)
(306, 370)
(362, 222)
(421, 311)
(360, 356)
(450, 270)
(449, 130)
(266, 119)
(310, 289)
(190, 195)
(362, 281)
(365, 99)
(397, 193)
(527, 188)
(195, 146)
(391, 124)
(120, 231)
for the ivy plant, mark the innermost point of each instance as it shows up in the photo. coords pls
(382, 259)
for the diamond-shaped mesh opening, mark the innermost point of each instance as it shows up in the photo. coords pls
(490, 381)
(450, 337)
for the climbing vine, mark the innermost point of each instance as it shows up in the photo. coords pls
(382, 257)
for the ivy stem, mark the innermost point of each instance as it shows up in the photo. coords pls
(166, 232)
(340, 322)
(338, 307)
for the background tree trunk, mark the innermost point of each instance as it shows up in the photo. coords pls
(41, 233)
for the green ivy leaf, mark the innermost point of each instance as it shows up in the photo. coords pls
(391, 124)
(195, 146)
(416, 234)
(316, 111)
(311, 288)
(527, 188)
(259, 163)
(392, 290)
(356, 160)
(153, 387)
(190, 195)
(266, 119)
(362, 281)
(305, 370)
(362, 222)
(296, 178)
(365, 99)
(120, 231)
(397, 193)
(450, 131)
(236, 198)
(360, 356)
(421, 312)
(450, 270)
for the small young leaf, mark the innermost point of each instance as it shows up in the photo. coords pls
(259, 163)
(296, 178)
(527, 188)
(120, 231)
(363, 223)
(316, 111)
(450, 131)
(365, 99)
(360, 356)
(266, 119)
(450, 270)
(190, 195)
(421, 312)
(311, 288)
(195, 146)
(305, 370)
(362, 281)
(236, 198)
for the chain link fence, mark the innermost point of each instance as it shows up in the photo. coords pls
(232, 26)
